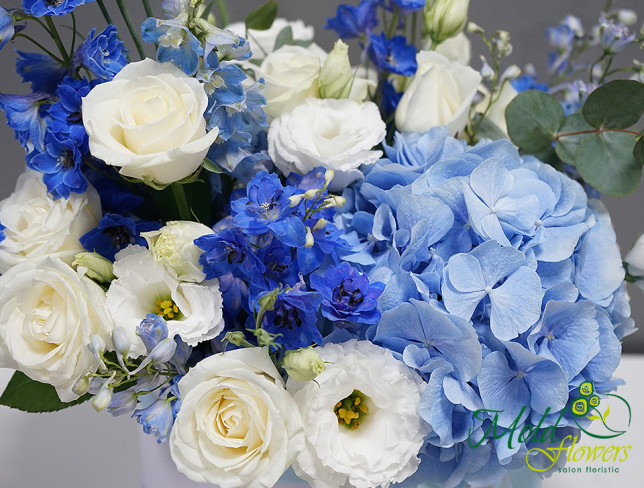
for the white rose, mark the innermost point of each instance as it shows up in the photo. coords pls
(360, 418)
(291, 74)
(496, 113)
(48, 313)
(334, 134)
(192, 311)
(173, 247)
(149, 121)
(37, 226)
(263, 42)
(237, 427)
(440, 93)
(457, 48)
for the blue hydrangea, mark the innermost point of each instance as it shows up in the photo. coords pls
(103, 54)
(353, 22)
(38, 8)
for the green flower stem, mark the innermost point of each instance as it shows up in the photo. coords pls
(57, 40)
(104, 11)
(130, 27)
(223, 13)
(45, 50)
(148, 9)
(182, 201)
(72, 49)
(393, 27)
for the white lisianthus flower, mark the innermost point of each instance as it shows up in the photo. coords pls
(37, 226)
(173, 247)
(360, 417)
(440, 93)
(238, 426)
(192, 311)
(149, 121)
(291, 75)
(334, 134)
(48, 313)
(263, 42)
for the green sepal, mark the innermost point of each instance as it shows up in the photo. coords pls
(32, 396)
(615, 105)
(533, 119)
(263, 17)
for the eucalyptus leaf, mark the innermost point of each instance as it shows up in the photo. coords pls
(284, 38)
(263, 17)
(566, 145)
(638, 150)
(605, 161)
(615, 105)
(533, 118)
(32, 396)
(487, 129)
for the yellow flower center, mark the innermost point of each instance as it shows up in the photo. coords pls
(352, 410)
(167, 309)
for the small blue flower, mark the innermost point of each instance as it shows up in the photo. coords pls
(409, 5)
(2, 236)
(61, 165)
(614, 37)
(176, 42)
(65, 114)
(38, 8)
(352, 22)
(226, 251)
(157, 419)
(43, 72)
(152, 330)
(393, 55)
(102, 54)
(115, 232)
(529, 82)
(267, 207)
(24, 115)
(8, 26)
(348, 295)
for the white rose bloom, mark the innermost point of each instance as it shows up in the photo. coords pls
(238, 426)
(440, 93)
(173, 247)
(263, 42)
(384, 394)
(496, 114)
(291, 75)
(335, 134)
(457, 48)
(38, 226)
(191, 310)
(149, 121)
(48, 313)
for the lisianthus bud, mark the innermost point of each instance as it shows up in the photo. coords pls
(120, 341)
(336, 74)
(97, 267)
(81, 386)
(445, 18)
(303, 364)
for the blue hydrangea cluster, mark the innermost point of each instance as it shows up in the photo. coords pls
(502, 277)
(211, 55)
(276, 258)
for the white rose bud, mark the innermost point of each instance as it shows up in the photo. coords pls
(95, 266)
(173, 247)
(303, 364)
(336, 74)
(445, 18)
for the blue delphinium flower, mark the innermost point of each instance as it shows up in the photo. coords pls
(152, 330)
(24, 115)
(393, 55)
(8, 26)
(38, 8)
(2, 228)
(267, 207)
(409, 5)
(353, 22)
(115, 232)
(157, 418)
(65, 114)
(614, 36)
(226, 251)
(176, 42)
(61, 164)
(103, 54)
(348, 295)
(529, 82)
(43, 72)
(278, 266)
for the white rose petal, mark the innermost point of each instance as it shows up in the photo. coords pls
(140, 285)
(237, 427)
(149, 121)
(384, 448)
(48, 314)
(173, 247)
(334, 134)
(263, 42)
(38, 226)
(440, 93)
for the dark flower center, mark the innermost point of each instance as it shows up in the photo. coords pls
(54, 3)
(119, 234)
(75, 118)
(287, 316)
(351, 298)
(67, 159)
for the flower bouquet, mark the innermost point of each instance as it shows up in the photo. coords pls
(378, 267)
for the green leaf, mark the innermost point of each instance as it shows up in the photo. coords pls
(262, 18)
(615, 105)
(284, 38)
(566, 146)
(533, 119)
(487, 129)
(28, 395)
(605, 160)
(638, 150)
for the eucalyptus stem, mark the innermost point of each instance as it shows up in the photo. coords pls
(104, 11)
(130, 27)
(57, 40)
(182, 201)
(393, 27)
(46, 51)
(148, 9)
